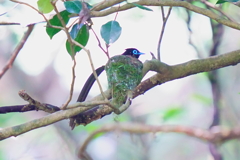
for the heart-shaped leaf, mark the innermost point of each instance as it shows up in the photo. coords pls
(45, 6)
(56, 22)
(111, 31)
(81, 35)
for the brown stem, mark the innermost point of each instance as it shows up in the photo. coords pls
(17, 50)
(163, 29)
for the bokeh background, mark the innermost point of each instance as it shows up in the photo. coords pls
(43, 69)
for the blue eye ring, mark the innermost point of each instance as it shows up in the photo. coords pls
(135, 51)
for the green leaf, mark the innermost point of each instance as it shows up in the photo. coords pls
(223, 1)
(45, 6)
(56, 22)
(172, 112)
(142, 7)
(74, 31)
(81, 35)
(74, 6)
(111, 31)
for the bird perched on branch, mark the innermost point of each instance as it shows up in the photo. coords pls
(124, 73)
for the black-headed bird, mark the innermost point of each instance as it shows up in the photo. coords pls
(124, 73)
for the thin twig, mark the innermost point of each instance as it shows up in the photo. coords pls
(95, 75)
(1, 14)
(32, 8)
(72, 51)
(35, 105)
(99, 43)
(163, 29)
(188, 21)
(116, 13)
(163, 14)
(74, 22)
(9, 23)
(16, 51)
(38, 105)
(107, 46)
(72, 84)
(92, 66)
(44, 17)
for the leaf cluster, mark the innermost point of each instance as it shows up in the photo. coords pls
(79, 30)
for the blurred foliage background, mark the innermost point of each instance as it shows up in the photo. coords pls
(43, 69)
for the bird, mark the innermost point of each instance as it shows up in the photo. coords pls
(121, 79)
(133, 52)
(124, 73)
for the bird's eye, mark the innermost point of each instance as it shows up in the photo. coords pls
(135, 51)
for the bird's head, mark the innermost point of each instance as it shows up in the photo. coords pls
(132, 52)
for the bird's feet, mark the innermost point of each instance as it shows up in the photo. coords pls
(124, 106)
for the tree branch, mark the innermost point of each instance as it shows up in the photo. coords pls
(71, 111)
(173, 3)
(38, 106)
(37, 123)
(215, 135)
(106, 4)
(167, 73)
